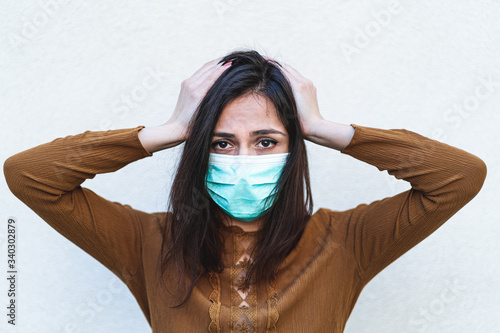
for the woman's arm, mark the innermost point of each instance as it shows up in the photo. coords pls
(48, 178)
(443, 179)
(161, 137)
(329, 134)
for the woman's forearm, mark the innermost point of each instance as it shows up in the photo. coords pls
(161, 137)
(49, 170)
(330, 134)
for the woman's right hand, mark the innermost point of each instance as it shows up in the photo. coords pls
(193, 90)
(176, 130)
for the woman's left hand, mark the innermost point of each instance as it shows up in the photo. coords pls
(306, 99)
(314, 127)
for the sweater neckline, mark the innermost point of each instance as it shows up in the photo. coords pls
(236, 229)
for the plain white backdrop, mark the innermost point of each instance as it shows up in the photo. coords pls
(429, 67)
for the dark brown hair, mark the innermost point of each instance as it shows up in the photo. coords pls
(191, 238)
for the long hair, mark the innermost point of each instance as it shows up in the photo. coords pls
(191, 238)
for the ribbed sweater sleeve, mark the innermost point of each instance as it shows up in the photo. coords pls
(443, 179)
(47, 179)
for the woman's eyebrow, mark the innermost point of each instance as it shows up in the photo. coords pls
(252, 134)
(224, 135)
(266, 131)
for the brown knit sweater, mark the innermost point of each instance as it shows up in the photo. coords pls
(320, 280)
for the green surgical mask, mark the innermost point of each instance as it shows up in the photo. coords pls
(244, 186)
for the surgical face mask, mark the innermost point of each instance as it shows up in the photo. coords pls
(244, 185)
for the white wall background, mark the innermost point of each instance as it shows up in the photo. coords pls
(67, 67)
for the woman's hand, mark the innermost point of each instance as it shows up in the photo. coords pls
(176, 130)
(193, 90)
(314, 127)
(305, 98)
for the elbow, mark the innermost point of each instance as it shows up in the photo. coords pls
(460, 186)
(474, 175)
(12, 170)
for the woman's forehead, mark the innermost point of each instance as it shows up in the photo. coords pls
(250, 111)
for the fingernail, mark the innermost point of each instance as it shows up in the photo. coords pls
(228, 63)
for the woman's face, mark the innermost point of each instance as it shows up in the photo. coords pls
(249, 125)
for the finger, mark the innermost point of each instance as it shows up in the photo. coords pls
(210, 74)
(290, 73)
(203, 84)
(205, 67)
(213, 69)
(288, 69)
(209, 70)
(207, 81)
(292, 70)
(212, 63)
(296, 76)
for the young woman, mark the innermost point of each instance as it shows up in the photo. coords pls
(240, 249)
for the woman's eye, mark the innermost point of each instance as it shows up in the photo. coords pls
(221, 144)
(267, 143)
